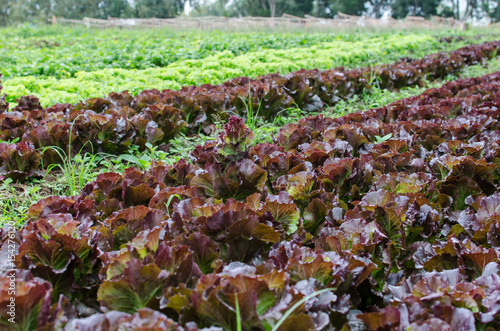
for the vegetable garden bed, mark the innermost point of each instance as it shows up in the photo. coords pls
(87, 69)
(381, 219)
(114, 124)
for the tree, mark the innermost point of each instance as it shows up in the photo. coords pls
(159, 8)
(5, 11)
(29, 10)
(249, 8)
(479, 9)
(78, 9)
(330, 8)
(377, 7)
(116, 8)
(216, 8)
(270, 8)
(403, 8)
(296, 7)
(495, 13)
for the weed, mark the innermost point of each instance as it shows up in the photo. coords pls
(238, 313)
(16, 199)
(251, 115)
(16, 217)
(169, 201)
(70, 165)
(142, 160)
(182, 145)
(76, 170)
(295, 306)
(379, 139)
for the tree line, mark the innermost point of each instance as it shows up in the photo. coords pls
(458, 9)
(14, 11)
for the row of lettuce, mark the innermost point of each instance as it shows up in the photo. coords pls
(114, 124)
(387, 218)
(222, 66)
(64, 53)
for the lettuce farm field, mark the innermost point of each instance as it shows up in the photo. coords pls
(152, 180)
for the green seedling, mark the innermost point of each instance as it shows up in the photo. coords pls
(142, 160)
(379, 139)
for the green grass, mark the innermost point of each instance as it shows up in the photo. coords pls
(17, 198)
(238, 313)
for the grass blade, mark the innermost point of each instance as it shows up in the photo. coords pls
(238, 314)
(295, 306)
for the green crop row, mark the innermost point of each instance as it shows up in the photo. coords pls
(64, 53)
(222, 66)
